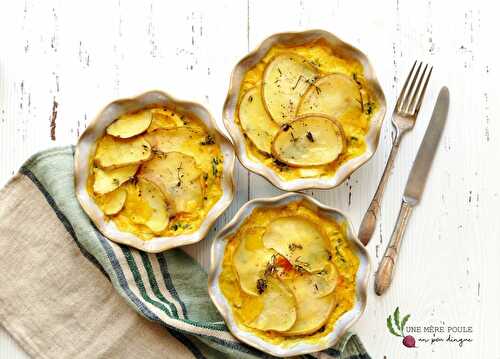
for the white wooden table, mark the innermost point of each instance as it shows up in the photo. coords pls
(61, 61)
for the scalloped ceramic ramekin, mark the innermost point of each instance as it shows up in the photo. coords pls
(86, 147)
(296, 39)
(224, 307)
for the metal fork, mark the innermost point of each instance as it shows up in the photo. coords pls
(403, 119)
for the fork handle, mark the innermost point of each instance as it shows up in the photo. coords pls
(369, 221)
(385, 272)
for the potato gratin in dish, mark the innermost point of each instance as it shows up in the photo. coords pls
(159, 171)
(305, 111)
(156, 173)
(288, 272)
(303, 108)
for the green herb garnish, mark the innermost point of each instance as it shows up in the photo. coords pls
(309, 136)
(293, 246)
(215, 163)
(261, 285)
(369, 108)
(209, 140)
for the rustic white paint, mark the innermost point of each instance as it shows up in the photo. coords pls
(81, 55)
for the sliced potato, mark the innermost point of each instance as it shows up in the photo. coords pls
(159, 218)
(175, 139)
(310, 140)
(300, 241)
(333, 95)
(178, 178)
(180, 119)
(255, 121)
(125, 224)
(286, 78)
(278, 309)
(249, 307)
(113, 152)
(250, 259)
(323, 282)
(162, 120)
(111, 203)
(185, 140)
(312, 311)
(130, 124)
(146, 205)
(106, 181)
(136, 208)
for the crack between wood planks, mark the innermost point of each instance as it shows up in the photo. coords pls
(349, 186)
(248, 25)
(248, 49)
(53, 118)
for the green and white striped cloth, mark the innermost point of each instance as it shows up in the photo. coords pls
(58, 273)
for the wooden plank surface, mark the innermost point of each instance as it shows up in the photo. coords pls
(61, 61)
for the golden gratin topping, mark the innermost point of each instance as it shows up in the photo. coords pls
(289, 273)
(305, 110)
(156, 172)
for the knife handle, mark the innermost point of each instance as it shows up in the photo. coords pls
(369, 221)
(385, 272)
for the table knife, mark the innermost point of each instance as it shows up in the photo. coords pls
(414, 189)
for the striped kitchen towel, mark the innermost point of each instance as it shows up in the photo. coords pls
(66, 291)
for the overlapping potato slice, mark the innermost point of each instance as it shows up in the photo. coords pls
(312, 311)
(175, 139)
(130, 124)
(136, 208)
(111, 203)
(163, 120)
(185, 140)
(309, 141)
(323, 282)
(333, 95)
(178, 178)
(146, 205)
(250, 259)
(300, 241)
(113, 152)
(255, 121)
(249, 307)
(179, 118)
(278, 307)
(286, 78)
(106, 181)
(160, 214)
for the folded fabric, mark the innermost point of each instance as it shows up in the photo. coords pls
(66, 291)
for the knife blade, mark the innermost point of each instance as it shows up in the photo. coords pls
(414, 189)
(427, 150)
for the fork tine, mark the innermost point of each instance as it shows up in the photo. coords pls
(406, 103)
(403, 90)
(417, 92)
(422, 93)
